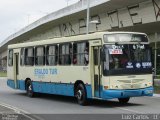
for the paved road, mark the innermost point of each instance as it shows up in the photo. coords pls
(52, 104)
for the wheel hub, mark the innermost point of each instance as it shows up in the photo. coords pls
(30, 88)
(79, 94)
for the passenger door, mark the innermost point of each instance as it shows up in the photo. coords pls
(97, 71)
(16, 66)
(96, 68)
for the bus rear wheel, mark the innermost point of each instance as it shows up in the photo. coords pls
(123, 100)
(29, 89)
(81, 95)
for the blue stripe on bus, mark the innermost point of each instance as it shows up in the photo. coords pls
(11, 83)
(50, 88)
(68, 90)
(53, 88)
(20, 84)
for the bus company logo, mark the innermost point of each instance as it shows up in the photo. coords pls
(147, 64)
(42, 72)
(138, 65)
(130, 65)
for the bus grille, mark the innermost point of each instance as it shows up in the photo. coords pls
(131, 81)
(130, 86)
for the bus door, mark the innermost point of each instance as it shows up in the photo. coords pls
(97, 71)
(16, 67)
(96, 67)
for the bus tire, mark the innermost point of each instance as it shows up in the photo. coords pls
(123, 100)
(81, 95)
(29, 89)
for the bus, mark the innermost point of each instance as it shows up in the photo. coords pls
(101, 65)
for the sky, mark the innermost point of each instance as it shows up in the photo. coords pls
(17, 14)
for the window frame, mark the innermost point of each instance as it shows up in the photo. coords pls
(82, 53)
(22, 56)
(70, 44)
(36, 57)
(56, 55)
(10, 65)
(27, 57)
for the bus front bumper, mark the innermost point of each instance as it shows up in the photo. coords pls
(110, 94)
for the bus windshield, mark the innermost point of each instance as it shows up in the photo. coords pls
(127, 59)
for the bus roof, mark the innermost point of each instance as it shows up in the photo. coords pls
(92, 36)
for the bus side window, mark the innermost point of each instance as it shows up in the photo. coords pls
(10, 58)
(70, 53)
(81, 53)
(40, 56)
(65, 54)
(74, 54)
(86, 54)
(22, 57)
(52, 55)
(29, 56)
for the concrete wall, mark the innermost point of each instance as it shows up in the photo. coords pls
(3, 54)
(129, 16)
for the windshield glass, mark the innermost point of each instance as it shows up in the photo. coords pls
(127, 58)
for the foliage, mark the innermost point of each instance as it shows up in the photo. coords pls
(3, 74)
(157, 89)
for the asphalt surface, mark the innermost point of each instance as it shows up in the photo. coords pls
(52, 104)
(8, 112)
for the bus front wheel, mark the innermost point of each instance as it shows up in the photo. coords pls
(123, 100)
(81, 95)
(29, 89)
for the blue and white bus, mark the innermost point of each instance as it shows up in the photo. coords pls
(102, 65)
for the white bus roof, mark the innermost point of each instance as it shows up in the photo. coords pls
(92, 36)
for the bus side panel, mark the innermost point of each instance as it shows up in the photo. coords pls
(58, 88)
(89, 91)
(52, 79)
(20, 84)
(50, 88)
(11, 83)
(57, 79)
(53, 88)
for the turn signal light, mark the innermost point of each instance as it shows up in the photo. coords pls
(106, 87)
